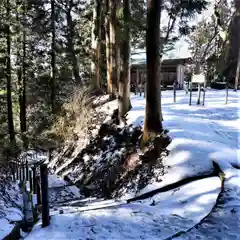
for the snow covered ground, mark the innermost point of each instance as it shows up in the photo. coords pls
(155, 218)
(10, 204)
(224, 220)
(200, 135)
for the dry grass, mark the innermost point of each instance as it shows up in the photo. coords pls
(75, 116)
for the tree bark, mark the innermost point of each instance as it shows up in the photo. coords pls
(107, 40)
(237, 72)
(9, 79)
(112, 45)
(53, 58)
(118, 43)
(234, 44)
(124, 84)
(96, 45)
(71, 50)
(21, 72)
(23, 121)
(153, 115)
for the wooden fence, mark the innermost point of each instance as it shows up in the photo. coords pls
(30, 170)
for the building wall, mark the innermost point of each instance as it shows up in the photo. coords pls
(167, 78)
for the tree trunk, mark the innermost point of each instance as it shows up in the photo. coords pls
(153, 115)
(71, 50)
(112, 47)
(118, 43)
(137, 81)
(124, 84)
(96, 45)
(53, 58)
(107, 40)
(237, 72)
(234, 44)
(9, 79)
(23, 122)
(21, 73)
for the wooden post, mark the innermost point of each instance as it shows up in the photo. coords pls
(226, 100)
(174, 91)
(140, 84)
(17, 171)
(27, 170)
(137, 81)
(14, 171)
(34, 177)
(38, 191)
(204, 92)
(30, 181)
(145, 89)
(199, 94)
(44, 187)
(237, 72)
(190, 98)
(23, 171)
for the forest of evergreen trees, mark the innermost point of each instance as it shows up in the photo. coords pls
(50, 49)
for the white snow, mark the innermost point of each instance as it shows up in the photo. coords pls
(5, 227)
(175, 210)
(9, 213)
(201, 135)
(55, 181)
(224, 220)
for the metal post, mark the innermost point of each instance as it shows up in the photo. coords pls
(44, 187)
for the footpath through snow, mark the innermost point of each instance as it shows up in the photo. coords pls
(224, 220)
(200, 135)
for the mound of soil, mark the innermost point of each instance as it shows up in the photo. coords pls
(112, 164)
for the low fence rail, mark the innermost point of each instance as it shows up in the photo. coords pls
(31, 172)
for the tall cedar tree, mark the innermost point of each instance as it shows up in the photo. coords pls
(53, 58)
(237, 72)
(112, 83)
(107, 40)
(22, 94)
(8, 76)
(21, 68)
(234, 44)
(153, 115)
(124, 84)
(96, 44)
(237, 7)
(70, 37)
